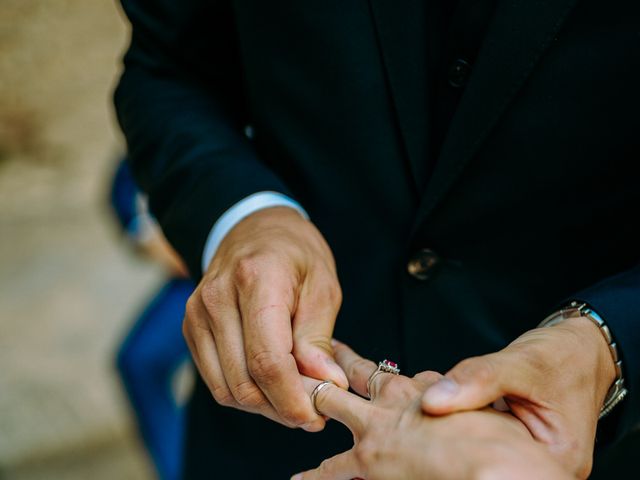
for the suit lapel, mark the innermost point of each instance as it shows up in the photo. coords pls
(401, 30)
(520, 32)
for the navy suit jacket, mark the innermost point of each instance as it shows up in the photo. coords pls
(533, 198)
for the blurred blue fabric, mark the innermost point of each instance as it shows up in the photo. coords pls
(154, 349)
(147, 361)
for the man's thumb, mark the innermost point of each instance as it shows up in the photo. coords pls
(472, 384)
(312, 333)
(315, 361)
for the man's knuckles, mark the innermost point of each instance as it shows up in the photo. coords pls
(248, 395)
(223, 396)
(265, 367)
(191, 308)
(243, 396)
(250, 269)
(327, 292)
(195, 325)
(215, 294)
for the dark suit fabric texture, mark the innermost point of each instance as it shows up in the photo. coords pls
(529, 196)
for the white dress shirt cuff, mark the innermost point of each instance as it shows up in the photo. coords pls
(239, 211)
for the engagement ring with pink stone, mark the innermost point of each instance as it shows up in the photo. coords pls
(385, 366)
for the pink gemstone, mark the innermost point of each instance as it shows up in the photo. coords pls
(392, 364)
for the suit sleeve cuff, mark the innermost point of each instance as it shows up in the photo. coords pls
(617, 301)
(239, 211)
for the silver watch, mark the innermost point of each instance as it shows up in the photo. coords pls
(577, 309)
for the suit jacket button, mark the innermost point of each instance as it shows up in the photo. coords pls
(459, 73)
(423, 264)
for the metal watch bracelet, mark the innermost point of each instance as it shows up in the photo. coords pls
(617, 392)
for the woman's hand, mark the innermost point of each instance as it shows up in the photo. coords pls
(395, 440)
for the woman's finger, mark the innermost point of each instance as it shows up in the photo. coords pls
(341, 405)
(427, 378)
(380, 379)
(358, 369)
(343, 466)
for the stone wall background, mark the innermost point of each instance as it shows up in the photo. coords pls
(68, 285)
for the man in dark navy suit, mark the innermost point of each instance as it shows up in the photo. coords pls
(424, 180)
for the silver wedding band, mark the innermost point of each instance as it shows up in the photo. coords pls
(316, 391)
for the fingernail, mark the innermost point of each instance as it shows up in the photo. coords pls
(313, 427)
(338, 374)
(334, 342)
(297, 476)
(441, 392)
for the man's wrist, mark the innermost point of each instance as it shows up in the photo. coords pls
(592, 337)
(236, 213)
(581, 319)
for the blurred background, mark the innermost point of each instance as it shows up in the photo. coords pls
(69, 285)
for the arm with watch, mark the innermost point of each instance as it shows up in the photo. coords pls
(564, 380)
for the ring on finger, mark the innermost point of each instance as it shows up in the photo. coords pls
(385, 366)
(316, 391)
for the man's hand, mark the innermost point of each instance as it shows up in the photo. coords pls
(264, 314)
(554, 380)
